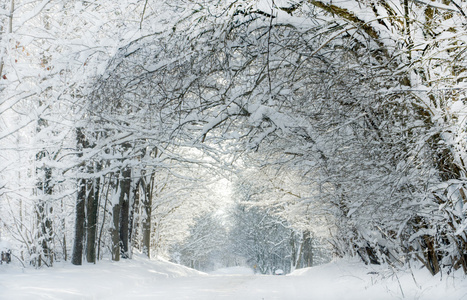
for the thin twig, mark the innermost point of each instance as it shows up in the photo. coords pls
(142, 15)
(459, 8)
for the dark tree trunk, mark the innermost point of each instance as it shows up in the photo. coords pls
(146, 222)
(114, 231)
(125, 192)
(134, 218)
(91, 219)
(296, 251)
(77, 255)
(104, 212)
(78, 244)
(64, 241)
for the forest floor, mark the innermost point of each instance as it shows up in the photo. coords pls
(140, 278)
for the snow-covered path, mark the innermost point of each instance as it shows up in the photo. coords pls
(198, 287)
(228, 287)
(43, 286)
(143, 279)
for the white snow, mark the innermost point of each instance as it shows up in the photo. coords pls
(233, 271)
(140, 278)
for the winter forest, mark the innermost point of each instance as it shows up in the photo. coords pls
(275, 134)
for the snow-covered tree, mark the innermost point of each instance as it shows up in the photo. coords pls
(205, 247)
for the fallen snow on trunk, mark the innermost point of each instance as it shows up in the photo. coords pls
(140, 278)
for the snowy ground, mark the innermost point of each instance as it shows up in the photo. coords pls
(143, 279)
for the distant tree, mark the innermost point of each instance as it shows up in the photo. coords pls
(204, 247)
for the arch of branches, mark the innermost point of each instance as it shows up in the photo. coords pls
(358, 108)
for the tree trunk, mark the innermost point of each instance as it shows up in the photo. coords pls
(77, 255)
(43, 211)
(147, 208)
(295, 254)
(298, 253)
(64, 243)
(43, 208)
(114, 231)
(91, 219)
(134, 219)
(307, 250)
(125, 192)
(104, 217)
